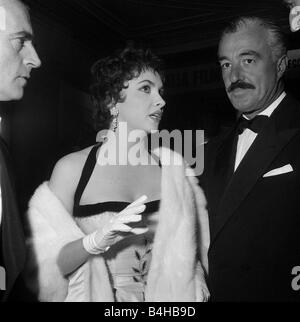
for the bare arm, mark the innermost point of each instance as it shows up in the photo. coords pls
(63, 183)
(72, 256)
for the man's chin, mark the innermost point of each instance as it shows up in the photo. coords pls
(242, 107)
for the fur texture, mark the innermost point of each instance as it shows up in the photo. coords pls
(181, 239)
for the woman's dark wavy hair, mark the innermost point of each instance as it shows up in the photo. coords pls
(110, 76)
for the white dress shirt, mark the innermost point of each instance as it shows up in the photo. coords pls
(247, 137)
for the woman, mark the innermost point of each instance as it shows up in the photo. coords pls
(135, 237)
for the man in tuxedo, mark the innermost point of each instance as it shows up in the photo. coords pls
(252, 172)
(17, 58)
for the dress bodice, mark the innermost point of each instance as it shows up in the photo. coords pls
(128, 261)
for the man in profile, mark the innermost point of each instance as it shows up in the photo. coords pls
(17, 58)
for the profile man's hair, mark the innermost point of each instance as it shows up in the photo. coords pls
(276, 37)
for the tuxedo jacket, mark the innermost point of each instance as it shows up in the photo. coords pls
(12, 242)
(255, 213)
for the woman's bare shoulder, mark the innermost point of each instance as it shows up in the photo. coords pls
(66, 175)
(71, 163)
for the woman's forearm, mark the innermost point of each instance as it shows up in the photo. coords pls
(72, 256)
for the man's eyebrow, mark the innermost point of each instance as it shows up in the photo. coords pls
(22, 34)
(251, 53)
(222, 58)
(244, 53)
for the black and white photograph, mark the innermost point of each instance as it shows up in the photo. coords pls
(149, 153)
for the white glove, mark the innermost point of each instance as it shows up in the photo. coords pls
(116, 229)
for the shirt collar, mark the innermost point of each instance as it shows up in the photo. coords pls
(270, 109)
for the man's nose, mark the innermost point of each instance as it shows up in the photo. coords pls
(32, 58)
(236, 74)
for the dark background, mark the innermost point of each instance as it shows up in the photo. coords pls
(54, 118)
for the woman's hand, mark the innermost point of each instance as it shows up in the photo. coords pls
(117, 228)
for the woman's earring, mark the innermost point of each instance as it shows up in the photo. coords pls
(115, 122)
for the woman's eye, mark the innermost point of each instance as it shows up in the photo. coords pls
(146, 89)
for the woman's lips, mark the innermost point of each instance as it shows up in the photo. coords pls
(156, 116)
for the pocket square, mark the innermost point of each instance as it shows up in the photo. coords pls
(275, 172)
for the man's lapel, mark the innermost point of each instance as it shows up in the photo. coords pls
(218, 170)
(12, 242)
(262, 152)
(223, 166)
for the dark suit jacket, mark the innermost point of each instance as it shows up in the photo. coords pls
(12, 238)
(255, 220)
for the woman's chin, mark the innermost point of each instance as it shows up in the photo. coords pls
(153, 125)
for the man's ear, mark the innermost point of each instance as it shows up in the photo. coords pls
(282, 66)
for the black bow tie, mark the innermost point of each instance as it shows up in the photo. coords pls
(256, 124)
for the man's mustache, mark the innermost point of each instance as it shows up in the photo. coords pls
(241, 85)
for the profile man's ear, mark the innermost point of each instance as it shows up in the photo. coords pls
(282, 65)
